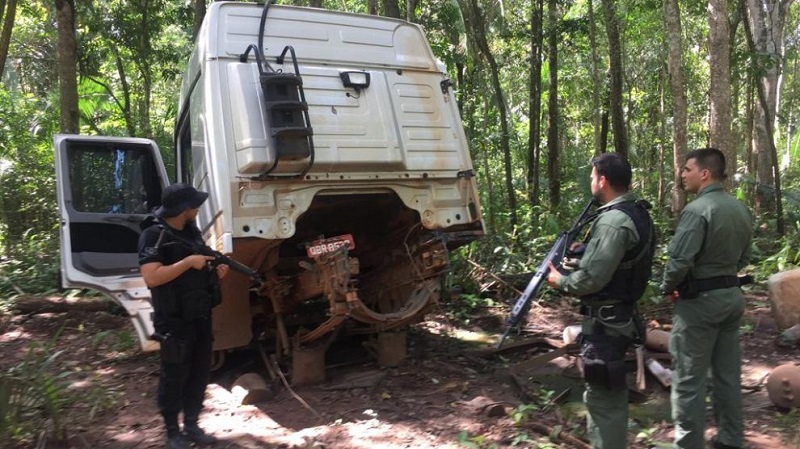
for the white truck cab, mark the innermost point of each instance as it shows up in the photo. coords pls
(337, 167)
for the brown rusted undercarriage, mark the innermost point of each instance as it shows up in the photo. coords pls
(389, 279)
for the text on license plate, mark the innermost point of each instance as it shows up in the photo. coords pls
(319, 247)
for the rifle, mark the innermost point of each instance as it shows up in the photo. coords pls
(219, 258)
(555, 255)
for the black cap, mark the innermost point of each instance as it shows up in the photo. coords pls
(178, 198)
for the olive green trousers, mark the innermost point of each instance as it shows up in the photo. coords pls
(704, 344)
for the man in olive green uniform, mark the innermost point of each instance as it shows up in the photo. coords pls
(711, 244)
(610, 278)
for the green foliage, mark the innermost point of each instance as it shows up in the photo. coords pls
(526, 412)
(465, 306)
(787, 426)
(32, 267)
(119, 340)
(785, 257)
(31, 395)
(474, 442)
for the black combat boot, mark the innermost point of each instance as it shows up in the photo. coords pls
(196, 435)
(719, 445)
(176, 440)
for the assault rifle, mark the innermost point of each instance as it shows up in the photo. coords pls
(219, 258)
(557, 252)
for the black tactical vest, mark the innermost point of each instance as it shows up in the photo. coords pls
(630, 280)
(191, 295)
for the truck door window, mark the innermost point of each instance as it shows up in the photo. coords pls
(113, 180)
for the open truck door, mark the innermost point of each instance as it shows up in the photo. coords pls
(106, 186)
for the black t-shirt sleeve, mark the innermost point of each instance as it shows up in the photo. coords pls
(147, 246)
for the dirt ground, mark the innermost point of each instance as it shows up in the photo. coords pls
(430, 401)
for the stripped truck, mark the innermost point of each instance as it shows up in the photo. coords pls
(337, 167)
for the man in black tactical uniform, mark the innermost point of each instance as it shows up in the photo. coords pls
(184, 288)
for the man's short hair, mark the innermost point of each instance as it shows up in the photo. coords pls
(615, 168)
(710, 159)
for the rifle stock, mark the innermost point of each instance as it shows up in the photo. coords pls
(554, 256)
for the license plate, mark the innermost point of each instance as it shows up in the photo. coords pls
(323, 246)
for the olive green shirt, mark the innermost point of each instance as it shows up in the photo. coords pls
(712, 238)
(612, 234)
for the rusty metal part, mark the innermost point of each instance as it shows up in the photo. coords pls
(336, 271)
(783, 386)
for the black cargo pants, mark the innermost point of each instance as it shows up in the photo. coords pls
(185, 371)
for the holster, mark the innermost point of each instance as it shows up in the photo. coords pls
(688, 288)
(604, 362)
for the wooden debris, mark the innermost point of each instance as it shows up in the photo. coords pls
(554, 436)
(34, 304)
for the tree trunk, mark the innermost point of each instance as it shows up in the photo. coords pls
(67, 67)
(662, 135)
(7, 12)
(199, 14)
(615, 63)
(596, 83)
(672, 23)
(125, 103)
(552, 107)
(749, 121)
(766, 20)
(145, 52)
(411, 10)
(719, 95)
(767, 123)
(535, 106)
(391, 9)
(372, 7)
(473, 21)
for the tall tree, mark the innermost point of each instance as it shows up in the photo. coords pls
(67, 67)
(615, 66)
(719, 95)
(552, 106)
(673, 30)
(766, 20)
(596, 83)
(767, 122)
(8, 12)
(411, 10)
(199, 14)
(534, 102)
(391, 8)
(473, 20)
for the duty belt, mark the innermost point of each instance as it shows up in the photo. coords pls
(716, 283)
(612, 313)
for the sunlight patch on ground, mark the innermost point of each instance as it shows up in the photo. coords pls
(475, 337)
(226, 419)
(437, 328)
(14, 335)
